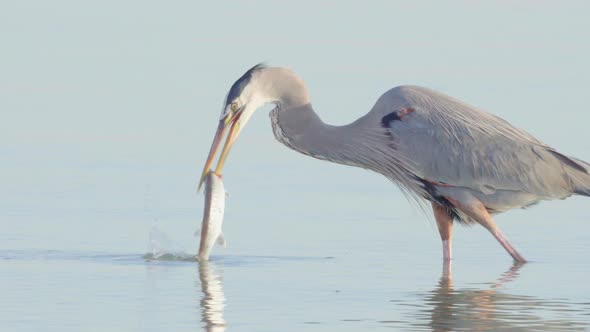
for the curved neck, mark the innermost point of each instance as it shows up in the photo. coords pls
(281, 86)
(301, 129)
(365, 143)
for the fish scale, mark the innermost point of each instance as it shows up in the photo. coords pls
(211, 232)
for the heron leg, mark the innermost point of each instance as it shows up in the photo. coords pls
(444, 221)
(476, 210)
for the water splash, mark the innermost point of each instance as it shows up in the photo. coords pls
(162, 247)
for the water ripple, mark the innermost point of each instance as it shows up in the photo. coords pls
(446, 308)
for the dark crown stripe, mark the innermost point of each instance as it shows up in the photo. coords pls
(240, 84)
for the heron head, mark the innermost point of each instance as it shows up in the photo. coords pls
(259, 86)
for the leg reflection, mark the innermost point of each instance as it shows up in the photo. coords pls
(509, 275)
(477, 308)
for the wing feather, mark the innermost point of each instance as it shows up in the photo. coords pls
(451, 142)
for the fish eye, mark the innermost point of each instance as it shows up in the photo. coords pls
(234, 106)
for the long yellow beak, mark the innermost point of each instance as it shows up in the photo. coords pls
(229, 141)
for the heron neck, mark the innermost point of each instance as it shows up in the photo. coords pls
(301, 129)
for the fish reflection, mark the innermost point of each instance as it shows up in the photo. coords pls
(213, 300)
(448, 309)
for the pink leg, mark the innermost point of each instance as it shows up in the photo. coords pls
(476, 210)
(447, 270)
(500, 237)
(444, 221)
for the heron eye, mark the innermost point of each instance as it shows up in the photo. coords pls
(234, 106)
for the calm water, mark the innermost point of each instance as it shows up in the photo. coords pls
(108, 111)
(377, 273)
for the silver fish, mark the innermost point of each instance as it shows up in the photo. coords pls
(212, 215)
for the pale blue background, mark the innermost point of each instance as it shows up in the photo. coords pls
(109, 107)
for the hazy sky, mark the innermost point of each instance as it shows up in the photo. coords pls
(109, 107)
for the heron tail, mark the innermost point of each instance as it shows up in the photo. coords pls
(578, 172)
(580, 176)
(584, 191)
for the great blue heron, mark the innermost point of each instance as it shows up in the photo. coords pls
(467, 163)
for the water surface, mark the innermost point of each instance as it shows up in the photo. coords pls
(378, 288)
(108, 110)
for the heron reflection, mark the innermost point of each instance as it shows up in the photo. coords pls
(447, 308)
(213, 300)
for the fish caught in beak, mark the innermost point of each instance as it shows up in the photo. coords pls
(243, 98)
(230, 120)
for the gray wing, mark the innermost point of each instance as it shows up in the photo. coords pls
(449, 142)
